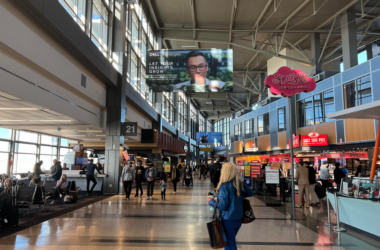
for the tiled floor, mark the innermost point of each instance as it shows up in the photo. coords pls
(179, 222)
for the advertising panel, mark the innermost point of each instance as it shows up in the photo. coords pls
(200, 70)
(255, 169)
(167, 167)
(363, 155)
(272, 176)
(314, 139)
(247, 169)
(249, 145)
(209, 138)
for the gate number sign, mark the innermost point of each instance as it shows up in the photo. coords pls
(130, 129)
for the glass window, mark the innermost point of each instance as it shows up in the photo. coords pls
(134, 71)
(4, 146)
(357, 92)
(328, 98)
(263, 124)
(281, 119)
(318, 111)
(341, 65)
(49, 140)
(25, 148)
(76, 9)
(151, 37)
(67, 142)
(48, 150)
(24, 163)
(5, 133)
(26, 137)
(135, 34)
(248, 129)
(3, 163)
(63, 152)
(99, 27)
(144, 22)
(143, 49)
(238, 130)
(309, 114)
(362, 57)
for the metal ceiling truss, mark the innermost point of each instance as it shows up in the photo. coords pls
(233, 14)
(215, 108)
(192, 3)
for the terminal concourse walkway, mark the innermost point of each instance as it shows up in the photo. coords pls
(179, 222)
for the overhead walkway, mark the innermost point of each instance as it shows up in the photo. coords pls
(179, 222)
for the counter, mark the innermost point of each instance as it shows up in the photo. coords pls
(360, 213)
(80, 180)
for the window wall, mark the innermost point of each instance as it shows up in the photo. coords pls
(226, 131)
(99, 24)
(263, 124)
(168, 107)
(193, 121)
(209, 126)
(281, 119)
(182, 113)
(28, 149)
(314, 109)
(202, 121)
(238, 132)
(77, 10)
(249, 125)
(357, 92)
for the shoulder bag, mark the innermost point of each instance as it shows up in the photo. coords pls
(215, 231)
(249, 216)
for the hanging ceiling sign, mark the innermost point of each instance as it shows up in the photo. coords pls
(314, 139)
(288, 82)
(363, 155)
(296, 141)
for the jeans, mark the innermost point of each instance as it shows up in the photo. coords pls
(150, 186)
(175, 186)
(202, 173)
(127, 188)
(91, 178)
(139, 186)
(163, 193)
(338, 186)
(231, 228)
(57, 192)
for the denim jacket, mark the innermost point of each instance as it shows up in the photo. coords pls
(149, 171)
(229, 204)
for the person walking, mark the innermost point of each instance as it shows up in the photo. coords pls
(187, 176)
(139, 177)
(56, 171)
(325, 175)
(338, 175)
(176, 176)
(302, 178)
(90, 167)
(37, 169)
(150, 179)
(230, 193)
(163, 186)
(62, 186)
(128, 175)
(202, 171)
(215, 172)
(313, 196)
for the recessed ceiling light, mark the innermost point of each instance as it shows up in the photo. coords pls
(18, 109)
(90, 131)
(101, 135)
(12, 120)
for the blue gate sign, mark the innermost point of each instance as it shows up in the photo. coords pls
(248, 181)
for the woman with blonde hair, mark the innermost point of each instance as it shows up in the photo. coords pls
(61, 187)
(229, 201)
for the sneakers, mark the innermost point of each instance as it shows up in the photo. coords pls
(51, 203)
(298, 206)
(60, 196)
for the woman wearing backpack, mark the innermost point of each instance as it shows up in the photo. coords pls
(230, 192)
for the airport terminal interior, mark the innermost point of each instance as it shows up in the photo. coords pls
(189, 124)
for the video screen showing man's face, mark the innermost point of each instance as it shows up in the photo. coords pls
(197, 68)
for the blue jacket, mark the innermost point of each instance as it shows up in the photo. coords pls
(229, 204)
(148, 171)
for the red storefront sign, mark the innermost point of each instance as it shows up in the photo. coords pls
(296, 141)
(255, 169)
(288, 82)
(240, 163)
(345, 155)
(314, 139)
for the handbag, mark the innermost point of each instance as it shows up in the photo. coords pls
(215, 231)
(249, 216)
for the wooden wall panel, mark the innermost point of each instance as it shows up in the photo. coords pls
(327, 128)
(305, 131)
(359, 129)
(282, 140)
(263, 142)
(238, 147)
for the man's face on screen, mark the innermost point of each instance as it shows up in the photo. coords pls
(197, 69)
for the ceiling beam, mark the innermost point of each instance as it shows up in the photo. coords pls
(192, 3)
(153, 13)
(244, 47)
(244, 31)
(236, 101)
(249, 89)
(211, 95)
(215, 108)
(297, 49)
(219, 116)
(232, 20)
(329, 20)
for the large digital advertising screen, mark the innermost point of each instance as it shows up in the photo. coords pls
(203, 70)
(209, 138)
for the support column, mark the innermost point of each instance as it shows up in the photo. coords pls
(349, 39)
(116, 107)
(316, 52)
(198, 158)
(368, 48)
(375, 153)
(188, 129)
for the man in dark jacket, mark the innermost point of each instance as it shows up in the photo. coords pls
(56, 172)
(202, 171)
(37, 169)
(140, 174)
(91, 167)
(338, 175)
(216, 171)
